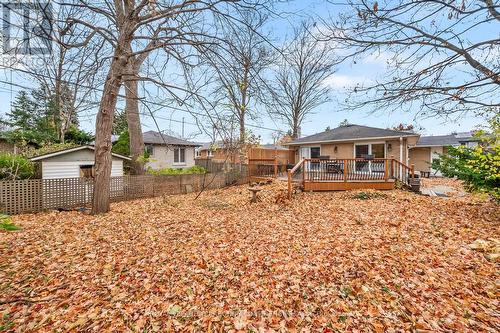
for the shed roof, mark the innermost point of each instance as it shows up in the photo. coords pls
(156, 138)
(70, 150)
(351, 132)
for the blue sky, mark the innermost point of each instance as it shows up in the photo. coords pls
(327, 114)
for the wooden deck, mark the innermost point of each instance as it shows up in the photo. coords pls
(349, 185)
(334, 174)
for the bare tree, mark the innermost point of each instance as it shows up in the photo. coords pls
(132, 113)
(246, 54)
(67, 76)
(299, 84)
(132, 28)
(441, 55)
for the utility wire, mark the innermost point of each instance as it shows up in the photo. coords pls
(123, 96)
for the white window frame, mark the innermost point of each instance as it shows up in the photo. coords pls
(180, 162)
(309, 149)
(210, 153)
(370, 143)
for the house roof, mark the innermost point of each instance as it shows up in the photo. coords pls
(70, 150)
(156, 138)
(351, 133)
(220, 144)
(437, 140)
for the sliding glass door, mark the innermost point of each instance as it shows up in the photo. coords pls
(371, 150)
(361, 151)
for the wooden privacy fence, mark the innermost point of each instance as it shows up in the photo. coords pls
(34, 195)
(283, 156)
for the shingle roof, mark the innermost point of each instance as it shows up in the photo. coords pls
(438, 140)
(152, 137)
(351, 132)
(70, 150)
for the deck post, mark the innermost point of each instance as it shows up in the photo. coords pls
(303, 171)
(392, 166)
(346, 170)
(386, 169)
(412, 169)
(275, 167)
(289, 184)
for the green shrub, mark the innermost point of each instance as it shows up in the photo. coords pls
(180, 171)
(6, 223)
(14, 167)
(478, 167)
(122, 145)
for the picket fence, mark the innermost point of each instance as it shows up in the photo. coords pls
(35, 195)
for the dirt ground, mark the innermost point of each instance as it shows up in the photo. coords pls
(322, 262)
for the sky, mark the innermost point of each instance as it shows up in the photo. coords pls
(327, 115)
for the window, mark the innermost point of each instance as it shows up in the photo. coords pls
(149, 150)
(315, 152)
(87, 171)
(179, 155)
(210, 153)
(197, 153)
(378, 150)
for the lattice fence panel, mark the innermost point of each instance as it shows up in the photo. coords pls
(34, 195)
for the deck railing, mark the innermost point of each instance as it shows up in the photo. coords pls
(348, 170)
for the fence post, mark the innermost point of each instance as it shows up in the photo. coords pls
(248, 170)
(275, 168)
(346, 170)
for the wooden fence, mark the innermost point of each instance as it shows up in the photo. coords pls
(214, 166)
(283, 156)
(34, 195)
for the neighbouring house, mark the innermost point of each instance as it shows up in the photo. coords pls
(429, 148)
(355, 141)
(74, 163)
(166, 151)
(220, 152)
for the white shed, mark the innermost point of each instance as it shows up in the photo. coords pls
(75, 162)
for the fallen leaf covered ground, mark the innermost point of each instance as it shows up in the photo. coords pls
(322, 262)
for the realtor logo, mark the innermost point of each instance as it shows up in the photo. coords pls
(26, 27)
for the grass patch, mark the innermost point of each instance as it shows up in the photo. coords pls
(6, 223)
(368, 195)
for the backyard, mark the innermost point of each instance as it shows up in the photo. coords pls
(332, 261)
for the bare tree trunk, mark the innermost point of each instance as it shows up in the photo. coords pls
(242, 127)
(104, 128)
(134, 127)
